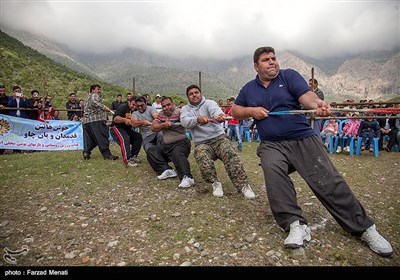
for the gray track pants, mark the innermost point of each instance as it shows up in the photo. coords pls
(309, 158)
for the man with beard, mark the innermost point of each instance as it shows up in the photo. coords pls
(204, 117)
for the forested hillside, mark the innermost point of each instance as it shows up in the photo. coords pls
(27, 68)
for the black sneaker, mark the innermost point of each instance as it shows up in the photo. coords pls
(111, 157)
(86, 156)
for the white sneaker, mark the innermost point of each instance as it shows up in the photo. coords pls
(186, 182)
(136, 159)
(298, 233)
(376, 242)
(339, 150)
(346, 149)
(169, 173)
(132, 162)
(217, 189)
(248, 192)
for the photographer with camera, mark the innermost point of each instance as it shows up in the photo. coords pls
(18, 100)
(34, 103)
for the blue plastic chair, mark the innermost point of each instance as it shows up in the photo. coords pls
(375, 146)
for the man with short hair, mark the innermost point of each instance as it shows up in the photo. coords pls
(289, 144)
(18, 100)
(95, 129)
(157, 103)
(143, 117)
(3, 103)
(176, 146)
(123, 134)
(115, 104)
(233, 124)
(3, 99)
(204, 117)
(317, 125)
(72, 103)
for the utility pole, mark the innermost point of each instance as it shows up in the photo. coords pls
(200, 79)
(312, 78)
(312, 119)
(133, 87)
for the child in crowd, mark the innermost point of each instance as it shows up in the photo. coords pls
(350, 129)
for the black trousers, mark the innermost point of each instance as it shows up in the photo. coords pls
(309, 158)
(178, 152)
(96, 134)
(129, 140)
(160, 154)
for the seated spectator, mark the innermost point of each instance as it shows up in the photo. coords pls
(369, 129)
(330, 130)
(56, 115)
(350, 129)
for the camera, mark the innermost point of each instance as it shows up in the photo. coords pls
(18, 94)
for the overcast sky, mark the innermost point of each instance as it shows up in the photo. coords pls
(215, 29)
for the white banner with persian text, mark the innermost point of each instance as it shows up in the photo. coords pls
(25, 134)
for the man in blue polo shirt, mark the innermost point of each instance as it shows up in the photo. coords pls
(288, 144)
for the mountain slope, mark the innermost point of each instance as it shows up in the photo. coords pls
(372, 76)
(27, 67)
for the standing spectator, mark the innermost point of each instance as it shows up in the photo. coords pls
(176, 146)
(72, 103)
(148, 99)
(81, 105)
(47, 101)
(34, 103)
(157, 103)
(18, 100)
(123, 134)
(233, 124)
(95, 129)
(3, 103)
(314, 87)
(204, 117)
(3, 100)
(115, 104)
(289, 144)
(129, 97)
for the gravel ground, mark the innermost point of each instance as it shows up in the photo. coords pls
(70, 212)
